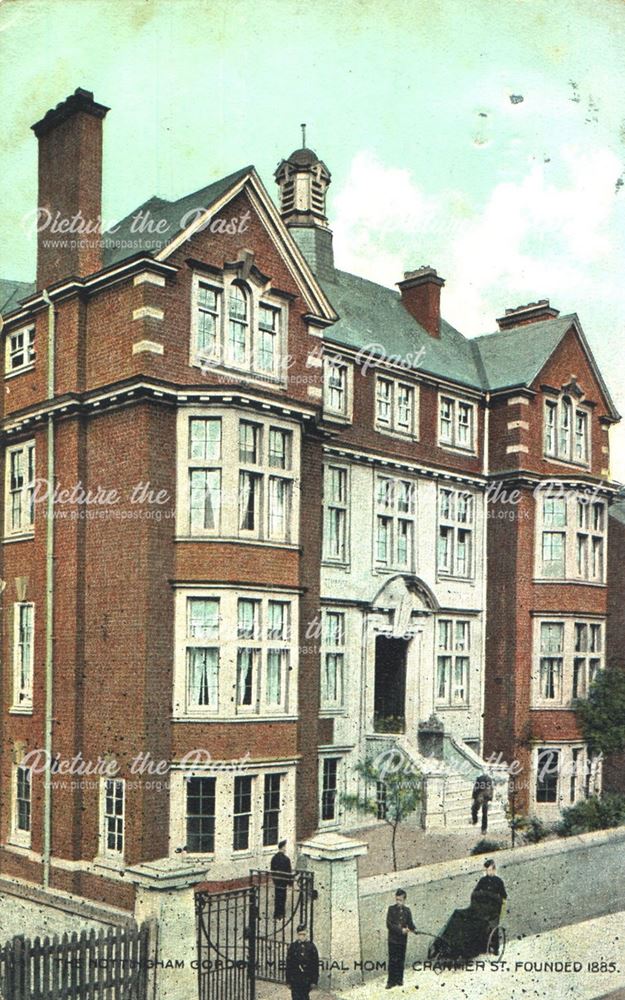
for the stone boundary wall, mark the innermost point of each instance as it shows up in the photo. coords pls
(29, 910)
(549, 885)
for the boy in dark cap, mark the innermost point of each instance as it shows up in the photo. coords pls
(399, 922)
(302, 966)
(281, 865)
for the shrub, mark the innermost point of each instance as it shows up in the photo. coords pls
(485, 846)
(535, 831)
(592, 814)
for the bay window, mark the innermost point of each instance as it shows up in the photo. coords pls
(252, 495)
(571, 537)
(256, 667)
(569, 654)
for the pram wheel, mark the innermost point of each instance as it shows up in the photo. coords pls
(439, 949)
(496, 943)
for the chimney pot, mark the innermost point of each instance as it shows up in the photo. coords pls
(533, 312)
(421, 297)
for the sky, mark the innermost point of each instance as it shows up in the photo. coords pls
(483, 137)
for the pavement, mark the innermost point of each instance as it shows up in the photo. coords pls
(587, 962)
(593, 949)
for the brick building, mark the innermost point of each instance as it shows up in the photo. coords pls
(246, 529)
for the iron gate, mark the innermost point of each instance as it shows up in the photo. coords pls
(227, 944)
(283, 903)
(244, 936)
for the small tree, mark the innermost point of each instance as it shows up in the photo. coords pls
(602, 714)
(393, 790)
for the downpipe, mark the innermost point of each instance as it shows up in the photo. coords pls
(49, 659)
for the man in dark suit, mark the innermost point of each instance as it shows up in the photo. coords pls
(399, 922)
(281, 865)
(482, 796)
(302, 966)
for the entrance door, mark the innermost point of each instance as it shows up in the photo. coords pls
(389, 706)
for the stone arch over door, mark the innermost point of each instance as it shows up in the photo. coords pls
(404, 597)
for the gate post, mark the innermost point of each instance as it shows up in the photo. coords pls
(333, 859)
(165, 893)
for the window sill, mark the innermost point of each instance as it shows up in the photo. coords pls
(109, 863)
(337, 418)
(442, 577)
(330, 713)
(400, 435)
(453, 708)
(19, 371)
(238, 540)
(233, 718)
(21, 710)
(569, 463)
(336, 564)
(24, 536)
(228, 373)
(553, 708)
(21, 844)
(560, 580)
(458, 449)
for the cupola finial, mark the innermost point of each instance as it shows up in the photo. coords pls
(303, 128)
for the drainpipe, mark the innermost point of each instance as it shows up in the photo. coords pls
(49, 662)
(485, 465)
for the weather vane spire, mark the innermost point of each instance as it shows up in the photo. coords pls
(303, 128)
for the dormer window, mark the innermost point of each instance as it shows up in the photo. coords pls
(234, 326)
(566, 430)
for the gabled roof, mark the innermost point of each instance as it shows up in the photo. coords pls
(372, 316)
(12, 292)
(125, 241)
(515, 357)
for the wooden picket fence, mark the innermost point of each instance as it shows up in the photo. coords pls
(104, 965)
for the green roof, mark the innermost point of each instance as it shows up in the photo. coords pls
(515, 357)
(125, 239)
(372, 316)
(12, 292)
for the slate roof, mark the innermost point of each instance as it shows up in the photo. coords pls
(124, 242)
(369, 314)
(12, 292)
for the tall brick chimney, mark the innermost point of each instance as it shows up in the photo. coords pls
(421, 296)
(70, 189)
(534, 312)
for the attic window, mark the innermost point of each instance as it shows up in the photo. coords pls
(566, 431)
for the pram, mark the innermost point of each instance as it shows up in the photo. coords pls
(471, 932)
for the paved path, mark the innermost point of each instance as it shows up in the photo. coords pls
(520, 976)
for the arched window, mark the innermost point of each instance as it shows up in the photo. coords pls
(238, 325)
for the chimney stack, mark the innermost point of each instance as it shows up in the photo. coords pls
(70, 189)
(421, 296)
(534, 312)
